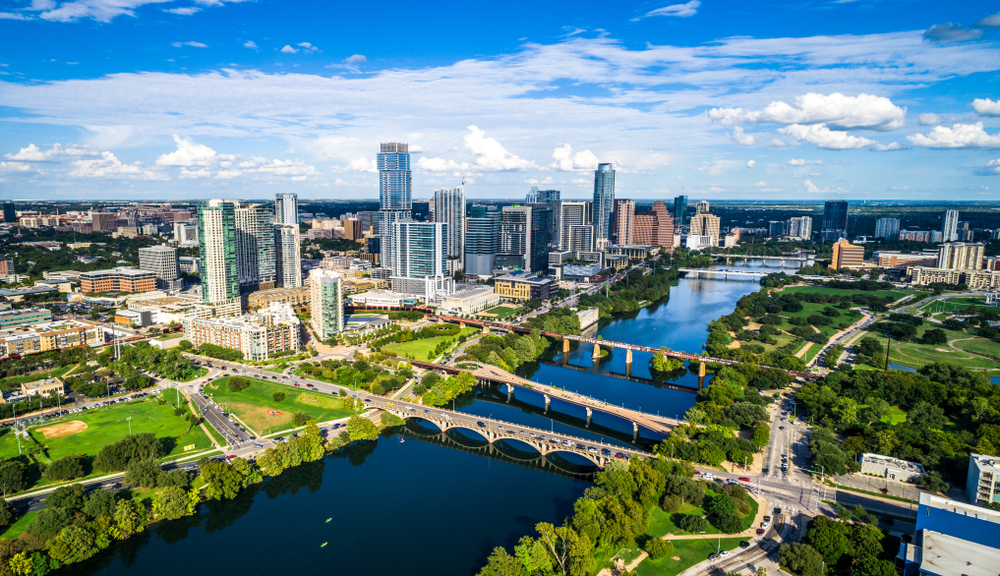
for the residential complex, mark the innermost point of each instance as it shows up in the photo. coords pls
(10, 318)
(217, 240)
(258, 335)
(624, 220)
(703, 224)
(295, 296)
(887, 228)
(449, 208)
(326, 289)
(286, 208)
(654, 227)
(288, 249)
(45, 336)
(983, 483)
(960, 256)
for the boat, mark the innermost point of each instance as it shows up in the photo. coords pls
(323, 545)
(328, 519)
(401, 440)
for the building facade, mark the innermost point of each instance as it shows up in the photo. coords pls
(654, 227)
(123, 279)
(624, 219)
(288, 248)
(257, 336)
(573, 213)
(949, 229)
(704, 224)
(286, 208)
(847, 255)
(255, 247)
(799, 227)
(164, 263)
(10, 318)
(296, 296)
(835, 216)
(924, 275)
(887, 228)
(960, 256)
(522, 286)
(471, 301)
(449, 208)
(681, 210)
(326, 289)
(45, 336)
(604, 202)
(220, 283)
(482, 242)
(890, 468)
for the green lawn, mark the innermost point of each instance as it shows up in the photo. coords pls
(846, 318)
(952, 305)
(980, 346)
(16, 381)
(256, 406)
(501, 312)
(687, 554)
(897, 294)
(18, 527)
(108, 425)
(419, 349)
(914, 354)
(896, 416)
(198, 374)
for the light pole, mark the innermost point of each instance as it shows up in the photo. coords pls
(129, 420)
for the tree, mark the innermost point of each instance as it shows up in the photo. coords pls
(300, 418)
(830, 539)
(722, 505)
(65, 468)
(570, 551)
(361, 429)
(693, 524)
(70, 498)
(177, 477)
(171, 504)
(872, 566)
(117, 456)
(237, 383)
(143, 474)
(500, 563)
(186, 344)
(729, 523)
(935, 336)
(224, 482)
(802, 559)
(74, 544)
(761, 435)
(100, 504)
(12, 477)
(7, 514)
(867, 540)
(129, 517)
(49, 522)
(658, 548)
(278, 396)
(533, 556)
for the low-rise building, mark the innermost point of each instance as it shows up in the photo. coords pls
(359, 285)
(18, 294)
(892, 259)
(258, 336)
(951, 539)
(121, 279)
(134, 318)
(890, 468)
(924, 275)
(982, 279)
(520, 286)
(471, 301)
(578, 272)
(982, 486)
(24, 316)
(45, 386)
(295, 296)
(45, 336)
(383, 299)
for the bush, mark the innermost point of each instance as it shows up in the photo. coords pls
(116, 457)
(658, 548)
(278, 396)
(729, 523)
(237, 383)
(671, 504)
(692, 523)
(66, 468)
(300, 418)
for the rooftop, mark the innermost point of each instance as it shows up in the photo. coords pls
(121, 270)
(47, 382)
(949, 556)
(991, 463)
(893, 462)
(522, 276)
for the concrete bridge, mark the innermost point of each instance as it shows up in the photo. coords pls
(724, 274)
(801, 257)
(543, 441)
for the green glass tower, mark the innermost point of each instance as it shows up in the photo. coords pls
(220, 282)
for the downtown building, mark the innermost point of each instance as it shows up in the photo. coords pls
(164, 263)
(654, 227)
(604, 202)
(524, 238)
(887, 228)
(482, 241)
(286, 208)
(326, 295)
(255, 247)
(220, 282)
(419, 262)
(552, 199)
(576, 232)
(799, 228)
(395, 193)
(960, 256)
(258, 336)
(705, 225)
(288, 249)
(949, 230)
(449, 208)
(834, 220)
(623, 231)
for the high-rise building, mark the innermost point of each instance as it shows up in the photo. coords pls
(775, 228)
(420, 249)
(835, 215)
(551, 198)
(949, 232)
(326, 302)
(394, 193)
(286, 208)
(623, 230)
(681, 209)
(220, 282)
(515, 238)
(604, 202)
(103, 221)
(541, 237)
(654, 227)
(799, 227)
(449, 208)
(255, 251)
(163, 262)
(9, 212)
(581, 238)
(701, 207)
(482, 241)
(573, 213)
(887, 228)
(960, 256)
(288, 249)
(352, 229)
(706, 224)
(847, 255)
(185, 234)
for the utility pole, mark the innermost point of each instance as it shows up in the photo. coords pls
(888, 347)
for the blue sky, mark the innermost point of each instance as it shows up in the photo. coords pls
(156, 100)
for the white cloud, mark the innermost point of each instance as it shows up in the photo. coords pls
(35, 154)
(837, 110)
(986, 107)
(491, 155)
(108, 166)
(185, 11)
(251, 45)
(307, 47)
(13, 16)
(812, 188)
(228, 174)
(989, 21)
(825, 138)
(187, 173)
(760, 184)
(567, 161)
(802, 162)
(676, 10)
(951, 32)
(355, 59)
(15, 167)
(440, 165)
(289, 50)
(958, 136)
(740, 138)
(993, 167)
(295, 168)
(188, 153)
(718, 167)
(191, 43)
(362, 165)
(929, 119)
(105, 10)
(880, 147)
(751, 163)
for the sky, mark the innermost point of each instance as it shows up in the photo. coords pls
(717, 99)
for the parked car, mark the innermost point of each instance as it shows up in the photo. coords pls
(744, 479)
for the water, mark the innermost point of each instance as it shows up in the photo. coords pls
(435, 504)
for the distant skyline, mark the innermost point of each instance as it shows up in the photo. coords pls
(825, 99)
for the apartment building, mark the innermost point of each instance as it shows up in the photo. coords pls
(46, 336)
(257, 336)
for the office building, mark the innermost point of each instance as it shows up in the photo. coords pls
(164, 263)
(680, 209)
(6, 265)
(624, 222)
(887, 228)
(982, 485)
(471, 301)
(949, 231)
(288, 249)
(835, 216)
(255, 246)
(654, 227)
(604, 202)
(705, 225)
(574, 214)
(10, 318)
(220, 283)
(951, 539)
(326, 289)
(103, 221)
(799, 228)
(552, 199)
(45, 336)
(258, 336)
(122, 279)
(449, 208)
(846, 255)
(185, 234)
(701, 207)
(353, 230)
(286, 208)
(775, 228)
(522, 285)
(9, 213)
(890, 468)
(515, 239)
(960, 256)
(419, 249)
(394, 192)
(482, 242)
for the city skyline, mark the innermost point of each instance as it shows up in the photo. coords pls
(869, 101)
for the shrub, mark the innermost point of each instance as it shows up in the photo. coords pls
(658, 548)
(671, 504)
(729, 523)
(237, 383)
(300, 418)
(66, 468)
(278, 396)
(692, 523)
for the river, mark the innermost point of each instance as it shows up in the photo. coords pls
(433, 504)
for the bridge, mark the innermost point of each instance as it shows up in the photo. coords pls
(725, 274)
(801, 257)
(546, 443)
(629, 376)
(628, 347)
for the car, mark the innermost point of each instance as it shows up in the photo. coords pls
(777, 511)
(427, 411)
(781, 427)
(745, 544)
(767, 518)
(567, 443)
(605, 452)
(481, 424)
(621, 455)
(230, 457)
(592, 450)
(709, 476)
(765, 525)
(697, 472)
(724, 553)
(744, 479)
(713, 556)
(412, 409)
(760, 531)
(297, 385)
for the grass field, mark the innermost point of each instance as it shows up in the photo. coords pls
(501, 312)
(952, 305)
(980, 346)
(896, 416)
(254, 405)
(18, 527)
(419, 349)
(897, 294)
(846, 318)
(915, 354)
(687, 553)
(199, 374)
(14, 381)
(108, 425)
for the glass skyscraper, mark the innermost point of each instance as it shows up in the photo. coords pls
(326, 290)
(482, 242)
(680, 209)
(286, 208)
(217, 242)
(420, 249)
(394, 194)
(449, 207)
(835, 215)
(604, 201)
(287, 244)
(255, 258)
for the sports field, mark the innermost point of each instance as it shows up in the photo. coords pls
(502, 311)
(419, 349)
(88, 432)
(257, 408)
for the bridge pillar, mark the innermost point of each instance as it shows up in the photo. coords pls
(628, 356)
(486, 329)
(461, 325)
(547, 402)
(565, 346)
(635, 431)
(590, 415)
(701, 369)
(510, 392)
(596, 355)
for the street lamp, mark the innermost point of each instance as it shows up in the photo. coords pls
(129, 420)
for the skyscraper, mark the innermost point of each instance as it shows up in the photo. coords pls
(949, 232)
(706, 225)
(186, 233)
(217, 242)
(164, 263)
(574, 213)
(835, 215)
(799, 227)
(289, 255)
(482, 240)
(255, 252)
(680, 209)
(654, 227)
(624, 222)
(449, 208)
(960, 256)
(701, 207)
(286, 208)
(326, 302)
(394, 193)
(515, 238)
(604, 201)
(887, 228)
(552, 199)
(420, 249)
(9, 212)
